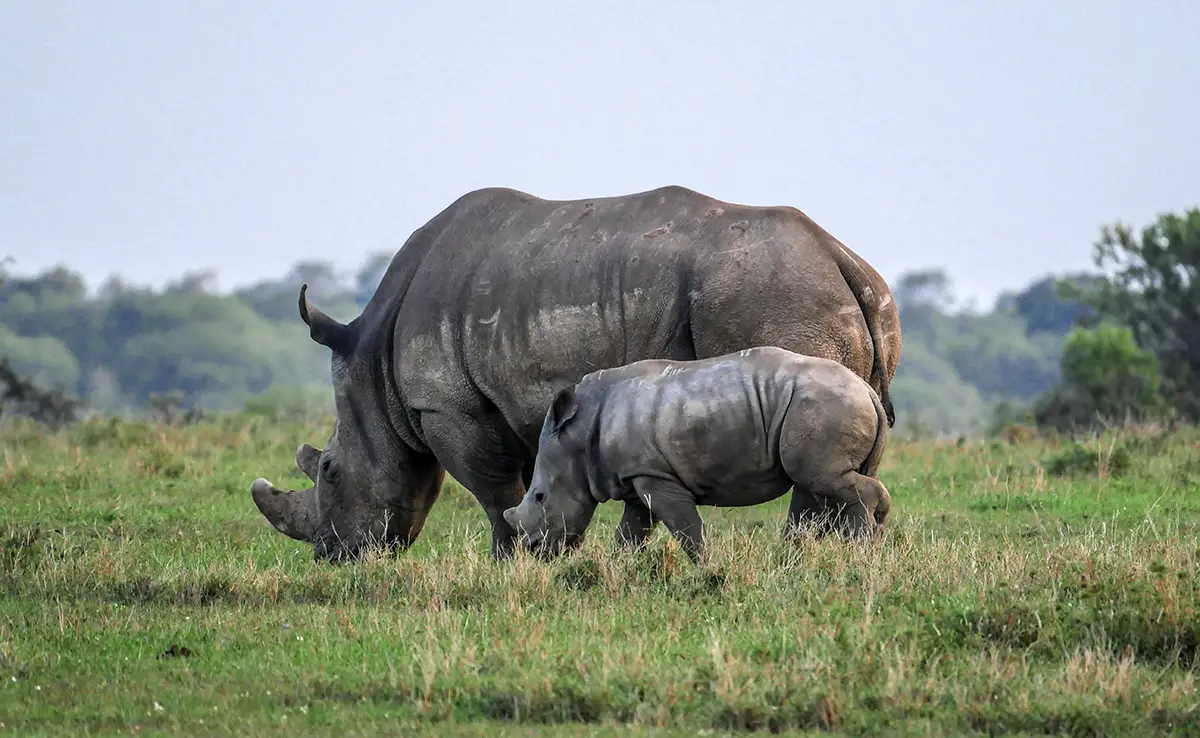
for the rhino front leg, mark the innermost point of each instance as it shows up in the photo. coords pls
(676, 508)
(504, 537)
(635, 527)
(481, 461)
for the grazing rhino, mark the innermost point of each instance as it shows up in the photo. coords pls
(503, 298)
(727, 431)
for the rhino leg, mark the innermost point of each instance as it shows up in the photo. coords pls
(676, 508)
(884, 506)
(473, 454)
(807, 510)
(635, 527)
(857, 500)
(504, 538)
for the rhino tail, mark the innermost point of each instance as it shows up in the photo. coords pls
(870, 467)
(858, 281)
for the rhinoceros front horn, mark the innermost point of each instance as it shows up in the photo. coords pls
(338, 337)
(290, 512)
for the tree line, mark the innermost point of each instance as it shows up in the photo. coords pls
(1065, 351)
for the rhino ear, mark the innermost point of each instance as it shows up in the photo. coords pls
(337, 337)
(307, 458)
(564, 406)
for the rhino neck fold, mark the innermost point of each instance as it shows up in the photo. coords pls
(377, 354)
(379, 325)
(601, 486)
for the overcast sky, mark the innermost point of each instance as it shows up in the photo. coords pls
(994, 139)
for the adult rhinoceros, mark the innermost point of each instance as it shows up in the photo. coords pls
(503, 299)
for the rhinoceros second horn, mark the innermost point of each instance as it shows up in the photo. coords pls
(338, 337)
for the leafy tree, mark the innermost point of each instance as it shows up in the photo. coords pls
(193, 283)
(992, 352)
(49, 324)
(1154, 290)
(202, 345)
(1106, 377)
(927, 287)
(44, 359)
(1045, 308)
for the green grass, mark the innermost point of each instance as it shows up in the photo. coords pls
(1028, 588)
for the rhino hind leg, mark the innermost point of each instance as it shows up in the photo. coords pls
(858, 504)
(808, 511)
(822, 451)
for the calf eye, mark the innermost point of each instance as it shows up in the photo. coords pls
(539, 497)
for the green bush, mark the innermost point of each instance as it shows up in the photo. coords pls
(1106, 378)
(1078, 459)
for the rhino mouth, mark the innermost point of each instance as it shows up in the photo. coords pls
(398, 537)
(548, 545)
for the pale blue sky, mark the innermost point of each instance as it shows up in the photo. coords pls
(152, 138)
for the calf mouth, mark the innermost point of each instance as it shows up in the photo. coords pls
(547, 546)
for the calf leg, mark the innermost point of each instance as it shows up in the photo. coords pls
(823, 453)
(807, 509)
(856, 500)
(676, 508)
(635, 527)
(885, 504)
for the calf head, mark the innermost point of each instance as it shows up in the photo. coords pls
(559, 505)
(369, 488)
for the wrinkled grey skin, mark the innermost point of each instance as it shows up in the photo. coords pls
(503, 298)
(729, 431)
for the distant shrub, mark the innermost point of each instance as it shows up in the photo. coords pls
(20, 395)
(168, 408)
(1106, 378)
(114, 431)
(1012, 421)
(1079, 459)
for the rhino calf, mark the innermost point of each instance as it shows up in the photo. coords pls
(728, 431)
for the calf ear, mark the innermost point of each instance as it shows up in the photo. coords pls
(564, 407)
(307, 458)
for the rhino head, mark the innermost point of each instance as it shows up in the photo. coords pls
(555, 512)
(369, 487)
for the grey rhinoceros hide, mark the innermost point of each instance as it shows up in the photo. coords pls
(741, 429)
(503, 299)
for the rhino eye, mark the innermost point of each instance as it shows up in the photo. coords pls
(327, 469)
(539, 497)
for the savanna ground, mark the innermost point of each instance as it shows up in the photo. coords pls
(1023, 587)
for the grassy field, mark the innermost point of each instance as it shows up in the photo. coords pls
(1028, 588)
